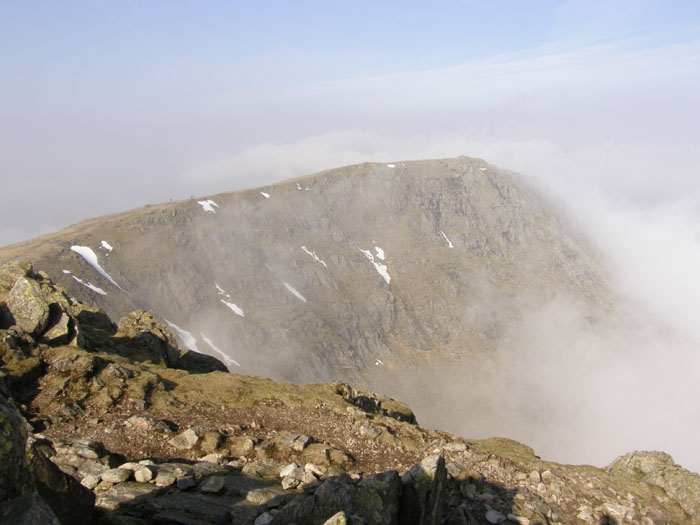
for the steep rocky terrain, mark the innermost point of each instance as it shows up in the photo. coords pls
(116, 416)
(362, 274)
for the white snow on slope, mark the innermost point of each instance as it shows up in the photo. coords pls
(107, 246)
(294, 291)
(381, 268)
(391, 165)
(90, 257)
(380, 252)
(482, 169)
(186, 338)
(266, 195)
(228, 360)
(448, 241)
(316, 257)
(378, 362)
(221, 290)
(91, 286)
(234, 307)
(66, 271)
(208, 205)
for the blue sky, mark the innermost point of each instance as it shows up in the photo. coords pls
(115, 104)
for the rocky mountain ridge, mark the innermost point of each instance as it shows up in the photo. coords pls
(113, 423)
(367, 274)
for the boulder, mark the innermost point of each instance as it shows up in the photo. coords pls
(658, 468)
(422, 498)
(28, 307)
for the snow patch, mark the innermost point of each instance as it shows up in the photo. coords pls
(391, 165)
(234, 307)
(91, 286)
(315, 257)
(294, 291)
(381, 268)
(228, 360)
(448, 241)
(107, 246)
(66, 271)
(482, 169)
(380, 252)
(378, 362)
(208, 205)
(186, 338)
(90, 257)
(221, 290)
(266, 195)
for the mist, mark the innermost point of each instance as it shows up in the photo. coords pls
(137, 104)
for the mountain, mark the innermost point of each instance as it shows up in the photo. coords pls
(389, 276)
(110, 423)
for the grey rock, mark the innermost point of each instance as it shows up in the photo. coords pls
(90, 481)
(212, 484)
(147, 424)
(116, 475)
(186, 483)
(144, 474)
(186, 440)
(28, 509)
(422, 498)
(28, 306)
(289, 483)
(493, 516)
(165, 478)
(264, 519)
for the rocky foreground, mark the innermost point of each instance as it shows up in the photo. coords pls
(112, 424)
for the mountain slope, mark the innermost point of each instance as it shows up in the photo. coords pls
(339, 273)
(145, 433)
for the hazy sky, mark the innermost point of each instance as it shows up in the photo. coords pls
(109, 105)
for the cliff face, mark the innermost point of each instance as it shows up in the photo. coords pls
(155, 434)
(357, 274)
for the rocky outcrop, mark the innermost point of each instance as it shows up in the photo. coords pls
(118, 433)
(32, 488)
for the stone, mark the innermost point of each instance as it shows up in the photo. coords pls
(289, 483)
(493, 516)
(116, 475)
(186, 440)
(454, 446)
(521, 520)
(165, 478)
(298, 442)
(186, 483)
(28, 509)
(337, 519)
(59, 332)
(264, 468)
(144, 474)
(314, 469)
(422, 497)
(90, 481)
(147, 424)
(264, 519)
(292, 470)
(28, 306)
(212, 484)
